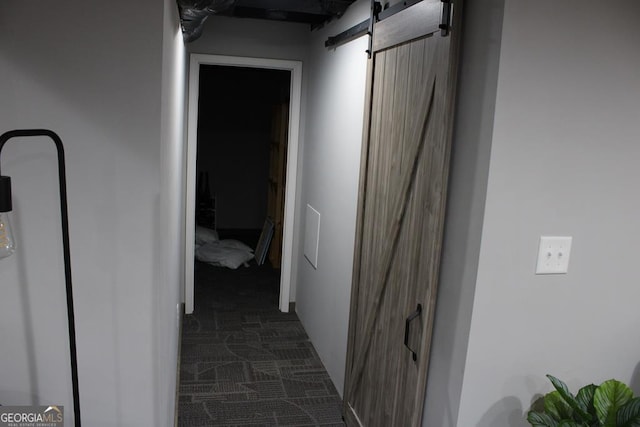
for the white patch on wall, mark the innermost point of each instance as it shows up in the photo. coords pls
(312, 236)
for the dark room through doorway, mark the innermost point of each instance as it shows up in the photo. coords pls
(242, 133)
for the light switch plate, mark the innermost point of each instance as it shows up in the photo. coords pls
(553, 255)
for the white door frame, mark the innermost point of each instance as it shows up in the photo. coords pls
(292, 163)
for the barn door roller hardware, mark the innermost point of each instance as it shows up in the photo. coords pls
(378, 13)
(445, 22)
(376, 7)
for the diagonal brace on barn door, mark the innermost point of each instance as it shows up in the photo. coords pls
(399, 208)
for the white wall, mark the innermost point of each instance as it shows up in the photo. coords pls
(170, 285)
(332, 144)
(564, 161)
(253, 38)
(93, 73)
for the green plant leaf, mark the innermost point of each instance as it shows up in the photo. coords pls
(580, 410)
(629, 414)
(538, 419)
(585, 398)
(555, 406)
(569, 423)
(608, 398)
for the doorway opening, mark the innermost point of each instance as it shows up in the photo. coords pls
(240, 165)
(242, 149)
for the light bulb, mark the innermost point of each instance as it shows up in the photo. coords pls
(7, 244)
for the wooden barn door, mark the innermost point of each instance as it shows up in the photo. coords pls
(400, 216)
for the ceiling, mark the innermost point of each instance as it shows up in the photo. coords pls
(193, 13)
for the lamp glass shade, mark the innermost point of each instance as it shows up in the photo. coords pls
(7, 244)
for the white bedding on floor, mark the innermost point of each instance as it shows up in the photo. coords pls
(220, 253)
(205, 235)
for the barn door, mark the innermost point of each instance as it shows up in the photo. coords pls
(400, 216)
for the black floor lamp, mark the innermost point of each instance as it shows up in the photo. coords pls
(7, 243)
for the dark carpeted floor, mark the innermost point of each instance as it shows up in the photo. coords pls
(244, 363)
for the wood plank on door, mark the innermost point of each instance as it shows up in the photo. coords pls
(400, 220)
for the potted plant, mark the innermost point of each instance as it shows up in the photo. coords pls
(611, 404)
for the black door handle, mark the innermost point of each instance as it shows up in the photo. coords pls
(407, 325)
